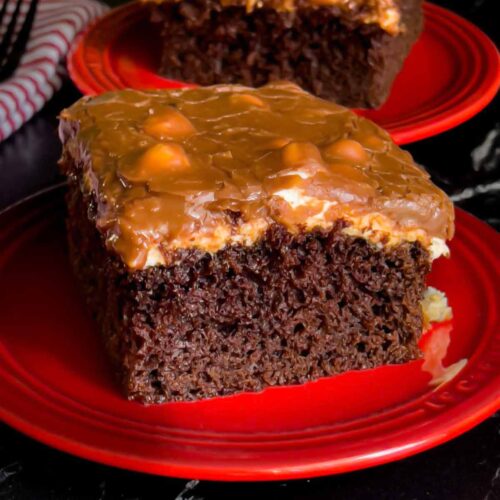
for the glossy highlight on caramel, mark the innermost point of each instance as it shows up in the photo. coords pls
(207, 167)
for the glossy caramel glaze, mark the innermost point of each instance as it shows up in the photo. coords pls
(207, 167)
(384, 13)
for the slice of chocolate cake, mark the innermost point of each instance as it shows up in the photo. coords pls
(228, 239)
(348, 51)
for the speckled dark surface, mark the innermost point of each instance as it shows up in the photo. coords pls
(464, 161)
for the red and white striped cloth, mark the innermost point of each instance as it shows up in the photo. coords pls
(42, 66)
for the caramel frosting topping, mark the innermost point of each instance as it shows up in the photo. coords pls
(206, 167)
(384, 13)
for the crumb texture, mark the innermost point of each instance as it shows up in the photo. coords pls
(287, 310)
(326, 51)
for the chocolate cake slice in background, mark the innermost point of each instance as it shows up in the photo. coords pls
(348, 51)
(229, 239)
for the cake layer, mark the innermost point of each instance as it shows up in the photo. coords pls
(209, 167)
(349, 52)
(289, 309)
(384, 13)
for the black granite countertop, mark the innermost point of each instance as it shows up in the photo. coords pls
(464, 161)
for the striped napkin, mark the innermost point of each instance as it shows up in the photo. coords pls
(42, 67)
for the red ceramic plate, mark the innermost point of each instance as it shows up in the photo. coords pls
(56, 386)
(451, 74)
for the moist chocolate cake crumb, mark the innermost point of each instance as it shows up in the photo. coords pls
(323, 49)
(229, 239)
(290, 309)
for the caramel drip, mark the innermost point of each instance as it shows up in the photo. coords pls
(207, 166)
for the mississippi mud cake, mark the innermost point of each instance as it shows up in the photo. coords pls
(229, 239)
(348, 51)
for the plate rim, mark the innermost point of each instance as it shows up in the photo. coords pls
(485, 402)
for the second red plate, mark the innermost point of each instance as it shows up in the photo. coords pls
(451, 74)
